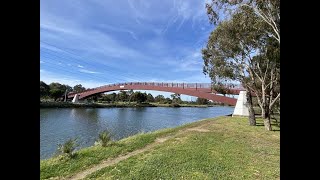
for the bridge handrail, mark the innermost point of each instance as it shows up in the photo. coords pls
(162, 84)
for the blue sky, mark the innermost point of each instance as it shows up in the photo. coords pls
(95, 42)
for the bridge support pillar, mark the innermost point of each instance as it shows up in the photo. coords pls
(241, 108)
(75, 99)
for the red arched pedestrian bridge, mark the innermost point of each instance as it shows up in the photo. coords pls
(201, 90)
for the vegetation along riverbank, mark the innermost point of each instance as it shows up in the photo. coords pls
(223, 148)
(116, 104)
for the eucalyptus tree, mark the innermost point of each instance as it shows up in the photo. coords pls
(78, 88)
(241, 49)
(229, 52)
(268, 11)
(44, 89)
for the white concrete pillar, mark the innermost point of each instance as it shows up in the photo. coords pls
(241, 108)
(75, 98)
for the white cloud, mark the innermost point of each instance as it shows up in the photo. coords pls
(49, 77)
(133, 35)
(87, 71)
(106, 45)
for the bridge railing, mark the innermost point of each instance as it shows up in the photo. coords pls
(162, 84)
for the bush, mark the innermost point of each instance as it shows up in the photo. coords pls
(68, 148)
(104, 138)
(174, 105)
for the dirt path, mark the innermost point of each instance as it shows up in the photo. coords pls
(113, 161)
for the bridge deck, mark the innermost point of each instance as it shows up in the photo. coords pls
(202, 90)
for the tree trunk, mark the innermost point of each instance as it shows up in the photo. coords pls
(263, 112)
(267, 124)
(252, 118)
(65, 96)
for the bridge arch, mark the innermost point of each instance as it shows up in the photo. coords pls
(191, 89)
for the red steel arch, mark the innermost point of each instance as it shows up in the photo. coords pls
(201, 90)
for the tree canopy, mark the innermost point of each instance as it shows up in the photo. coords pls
(245, 47)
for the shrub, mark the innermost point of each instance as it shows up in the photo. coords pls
(104, 138)
(174, 105)
(68, 148)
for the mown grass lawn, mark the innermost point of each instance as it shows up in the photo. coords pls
(218, 148)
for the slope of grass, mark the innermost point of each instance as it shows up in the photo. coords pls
(230, 150)
(227, 148)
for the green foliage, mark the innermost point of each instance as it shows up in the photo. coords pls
(104, 138)
(159, 98)
(202, 101)
(176, 98)
(122, 96)
(139, 97)
(78, 88)
(221, 88)
(56, 93)
(44, 89)
(174, 105)
(68, 148)
(150, 98)
(57, 90)
(167, 101)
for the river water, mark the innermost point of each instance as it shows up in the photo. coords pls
(59, 124)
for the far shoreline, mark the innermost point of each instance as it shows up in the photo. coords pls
(118, 105)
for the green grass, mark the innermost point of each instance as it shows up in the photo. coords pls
(230, 150)
(87, 157)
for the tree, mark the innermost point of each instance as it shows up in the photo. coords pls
(112, 96)
(44, 89)
(150, 98)
(229, 51)
(130, 93)
(167, 101)
(139, 97)
(56, 93)
(267, 84)
(78, 88)
(221, 88)
(238, 50)
(202, 101)
(122, 96)
(67, 90)
(57, 90)
(159, 98)
(268, 11)
(176, 98)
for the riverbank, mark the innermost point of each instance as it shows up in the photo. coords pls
(112, 105)
(224, 147)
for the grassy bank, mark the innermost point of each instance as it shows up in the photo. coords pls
(118, 104)
(219, 148)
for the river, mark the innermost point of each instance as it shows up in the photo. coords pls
(59, 124)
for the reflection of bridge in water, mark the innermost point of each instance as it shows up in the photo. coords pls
(201, 90)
